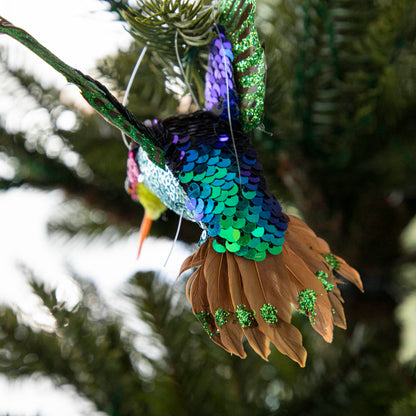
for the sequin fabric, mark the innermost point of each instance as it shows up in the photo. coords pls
(237, 17)
(237, 209)
(213, 174)
(163, 184)
(220, 93)
(133, 174)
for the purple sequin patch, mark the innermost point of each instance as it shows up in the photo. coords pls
(219, 84)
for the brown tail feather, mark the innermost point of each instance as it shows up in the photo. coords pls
(244, 311)
(286, 337)
(235, 297)
(338, 311)
(321, 316)
(195, 260)
(219, 296)
(349, 273)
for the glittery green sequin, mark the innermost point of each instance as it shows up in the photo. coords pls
(186, 177)
(230, 234)
(219, 248)
(221, 317)
(331, 260)
(244, 316)
(204, 318)
(323, 278)
(307, 303)
(269, 313)
(275, 250)
(249, 59)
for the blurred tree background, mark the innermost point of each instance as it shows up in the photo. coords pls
(338, 146)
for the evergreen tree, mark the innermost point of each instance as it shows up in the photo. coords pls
(338, 145)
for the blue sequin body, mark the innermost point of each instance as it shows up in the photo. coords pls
(237, 211)
(225, 188)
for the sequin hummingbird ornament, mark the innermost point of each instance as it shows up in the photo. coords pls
(256, 263)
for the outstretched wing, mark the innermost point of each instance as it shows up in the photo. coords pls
(95, 93)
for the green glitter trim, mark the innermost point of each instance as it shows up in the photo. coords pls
(96, 94)
(245, 317)
(307, 303)
(269, 313)
(331, 260)
(109, 111)
(238, 19)
(221, 317)
(323, 278)
(204, 318)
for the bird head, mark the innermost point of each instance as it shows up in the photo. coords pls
(138, 191)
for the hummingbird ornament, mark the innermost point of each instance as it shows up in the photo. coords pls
(255, 264)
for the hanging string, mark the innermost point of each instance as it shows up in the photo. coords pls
(125, 98)
(183, 72)
(129, 85)
(228, 107)
(178, 228)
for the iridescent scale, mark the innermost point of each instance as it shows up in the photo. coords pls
(237, 211)
(220, 93)
(164, 185)
(237, 17)
(211, 179)
(223, 181)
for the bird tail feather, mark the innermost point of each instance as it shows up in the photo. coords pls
(235, 297)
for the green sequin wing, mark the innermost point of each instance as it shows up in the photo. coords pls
(237, 17)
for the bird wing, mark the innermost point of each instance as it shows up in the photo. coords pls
(237, 19)
(97, 95)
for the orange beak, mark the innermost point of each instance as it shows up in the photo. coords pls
(144, 231)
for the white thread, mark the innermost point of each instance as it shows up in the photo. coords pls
(178, 228)
(129, 85)
(228, 107)
(183, 72)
